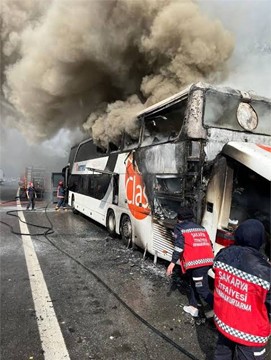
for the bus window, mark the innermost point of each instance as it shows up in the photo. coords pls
(72, 155)
(130, 142)
(86, 151)
(167, 196)
(112, 147)
(263, 111)
(100, 184)
(115, 189)
(156, 130)
(159, 128)
(168, 184)
(85, 184)
(221, 109)
(166, 208)
(74, 183)
(101, 150)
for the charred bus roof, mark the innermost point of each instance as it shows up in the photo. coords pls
(216, 107)
(244, 95)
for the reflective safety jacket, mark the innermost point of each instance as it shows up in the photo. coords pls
(192, 245)
(242, 297)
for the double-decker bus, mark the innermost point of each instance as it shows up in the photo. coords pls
(205, 147)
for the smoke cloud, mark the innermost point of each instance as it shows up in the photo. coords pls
(95, 64)
(249, 21)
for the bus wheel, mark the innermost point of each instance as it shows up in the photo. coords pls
(111, 223)
(126, 230)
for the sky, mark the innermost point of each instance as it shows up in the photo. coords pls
(64, 80)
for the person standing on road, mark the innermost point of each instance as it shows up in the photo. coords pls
(61, 196)
(31, 196)
(242, 297)
(193, 247)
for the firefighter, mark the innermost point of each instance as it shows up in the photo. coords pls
(193, 247)
(31, 196)
(242, 297)
(61, 196)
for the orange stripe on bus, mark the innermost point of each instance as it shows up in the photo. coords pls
(265, 147)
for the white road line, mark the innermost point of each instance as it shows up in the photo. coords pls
(52, 340)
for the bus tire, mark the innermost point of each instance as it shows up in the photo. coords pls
(111, 223)
(126, 230)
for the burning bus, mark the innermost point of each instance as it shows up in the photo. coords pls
(205, 147)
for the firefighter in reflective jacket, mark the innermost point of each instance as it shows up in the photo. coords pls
(242, 297)
(193, 247)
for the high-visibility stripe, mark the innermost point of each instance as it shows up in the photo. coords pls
(178, 249)
(193, 230)
(240, 334)
(243, 275)
(207, 261)
(197, 278)
(259, 353)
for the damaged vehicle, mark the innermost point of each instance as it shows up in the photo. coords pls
(206, 147)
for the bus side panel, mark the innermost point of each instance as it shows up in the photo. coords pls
(153, 237)
(93, 208)
(214, 198)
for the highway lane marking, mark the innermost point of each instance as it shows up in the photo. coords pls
(52, 340)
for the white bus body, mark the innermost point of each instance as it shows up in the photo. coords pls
(197, 148)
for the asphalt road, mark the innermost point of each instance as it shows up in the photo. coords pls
(103, 300)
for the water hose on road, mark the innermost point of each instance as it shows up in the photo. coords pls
(48, 230)
(145, 322)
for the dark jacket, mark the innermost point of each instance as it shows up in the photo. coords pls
(31, 192)
(242, 296)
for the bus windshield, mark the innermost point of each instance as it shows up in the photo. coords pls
(221, 110)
